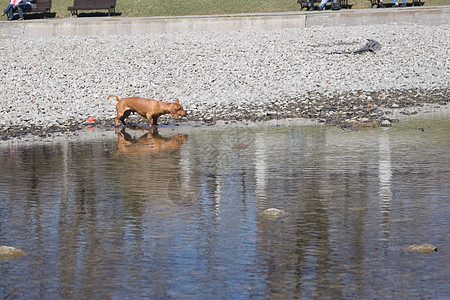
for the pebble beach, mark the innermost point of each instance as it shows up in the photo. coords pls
(55, 84)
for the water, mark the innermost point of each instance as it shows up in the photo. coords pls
(181, 218)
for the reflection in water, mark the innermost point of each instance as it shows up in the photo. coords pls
(149, 142)
(260, 169)
(162, 216)
(385, 174)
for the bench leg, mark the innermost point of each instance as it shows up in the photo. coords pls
(309, 5)
(111, 10)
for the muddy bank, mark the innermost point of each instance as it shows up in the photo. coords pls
(355, 109)
(339, 109)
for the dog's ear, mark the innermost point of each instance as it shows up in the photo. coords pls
(177, 101)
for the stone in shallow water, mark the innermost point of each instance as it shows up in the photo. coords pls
(424, 248)
(10, 252)
(273, 213)
(386, 123)
(238, 146)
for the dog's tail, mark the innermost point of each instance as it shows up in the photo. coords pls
(114, 96)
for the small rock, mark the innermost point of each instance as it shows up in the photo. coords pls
(273, 213)
(239, 146)
(10, 252)
(424, 248)
(386, 123)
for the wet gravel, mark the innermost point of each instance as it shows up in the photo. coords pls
(246, 76)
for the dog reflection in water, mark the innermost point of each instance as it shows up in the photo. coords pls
(150, 142)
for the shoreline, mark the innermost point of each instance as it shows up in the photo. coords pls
(359, 110)
(97, 131)
(252, 75)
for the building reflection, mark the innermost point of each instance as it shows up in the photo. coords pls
(385, 184)
(261, 169)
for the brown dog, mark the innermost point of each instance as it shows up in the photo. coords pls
(147, 108)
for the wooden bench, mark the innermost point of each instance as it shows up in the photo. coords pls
(42, 7)
(309, 4)
(388, 3)
(78, 5)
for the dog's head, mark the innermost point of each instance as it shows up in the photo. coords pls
(176, 109)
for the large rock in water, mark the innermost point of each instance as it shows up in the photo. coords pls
(10, 252)
(273, 213)
(424, 248)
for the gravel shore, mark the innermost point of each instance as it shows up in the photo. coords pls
(55, 84)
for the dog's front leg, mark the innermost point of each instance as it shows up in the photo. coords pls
(155, 120)
(152, 120)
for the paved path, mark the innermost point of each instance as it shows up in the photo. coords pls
(94, 26)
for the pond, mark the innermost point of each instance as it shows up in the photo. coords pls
(178, 214)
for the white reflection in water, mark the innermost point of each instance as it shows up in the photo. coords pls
(385, 172)
(65, 174)
(218, 196)
(186, 173)
(385, 185)
(260, 168)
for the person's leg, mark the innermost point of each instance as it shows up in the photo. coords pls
(7, 9)
(22, 7)
(322, 4)
(11, 13)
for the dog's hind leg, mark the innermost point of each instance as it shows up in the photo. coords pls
(125, 115)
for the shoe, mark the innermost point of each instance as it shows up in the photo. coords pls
(20, 19)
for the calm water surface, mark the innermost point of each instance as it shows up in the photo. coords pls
(167, 216)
